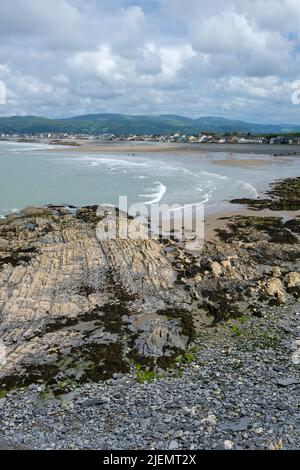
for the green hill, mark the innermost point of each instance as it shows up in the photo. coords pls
(120, 124)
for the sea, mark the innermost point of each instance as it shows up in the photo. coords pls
(36, 174)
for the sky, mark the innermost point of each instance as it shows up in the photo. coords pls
(233, 58)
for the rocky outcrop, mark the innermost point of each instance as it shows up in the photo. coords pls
(78, 308)
(292, 279)
(274, 288)
(216, 268)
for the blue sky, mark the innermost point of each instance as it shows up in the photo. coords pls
(237, 58)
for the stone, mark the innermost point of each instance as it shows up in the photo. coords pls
(228, 445)
(226, 263)
(296, 353)
(216, 268)
(178, 434)
(281, 406)
(169, 249)
(145, 423)
(241, 425)
(173, 445)
(276, 272)
(198, 279)
(95, 402)
(292, 279)
(288, 382)
(274, 288)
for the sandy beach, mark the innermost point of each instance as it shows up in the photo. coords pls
(243, 163)
(85, 146)
(92, 147)
(216, 221)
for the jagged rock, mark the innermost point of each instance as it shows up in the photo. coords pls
(198, 279)
(216, 269)
(276, 272)
(226, 263)
(292, 279)
(273, 287)
(161, 339)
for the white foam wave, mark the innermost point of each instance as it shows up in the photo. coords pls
(160, 189)
(25, 146)
(207, 174)
(38, 147)
(194, 204)
(5, 212)
(250, 188)
(213, 175)
(110, 162)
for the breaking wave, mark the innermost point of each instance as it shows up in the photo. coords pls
(160, 189)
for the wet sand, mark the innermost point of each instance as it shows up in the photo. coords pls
(213, 222)
(207, 231)
(245, 162)
(219, 220)
(85, 147)
(148, 147)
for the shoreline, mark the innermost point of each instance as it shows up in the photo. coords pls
(84, 146)
(123, 147)
(212, 221)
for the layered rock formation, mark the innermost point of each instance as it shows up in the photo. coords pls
(76, 307)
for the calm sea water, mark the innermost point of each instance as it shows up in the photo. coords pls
(33, 175)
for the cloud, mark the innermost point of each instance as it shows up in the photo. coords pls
(64, 57)
(51, 21)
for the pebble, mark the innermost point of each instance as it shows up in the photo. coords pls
(288, 381)
(256, 407)
(173, 445)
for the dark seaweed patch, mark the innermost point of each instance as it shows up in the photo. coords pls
(88, 215)
(284, 196)
(88, 363)
(243, 228)
(15, 258)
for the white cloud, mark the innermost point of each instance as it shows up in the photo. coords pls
(173, 59)
(159, 56)
(100, 62)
